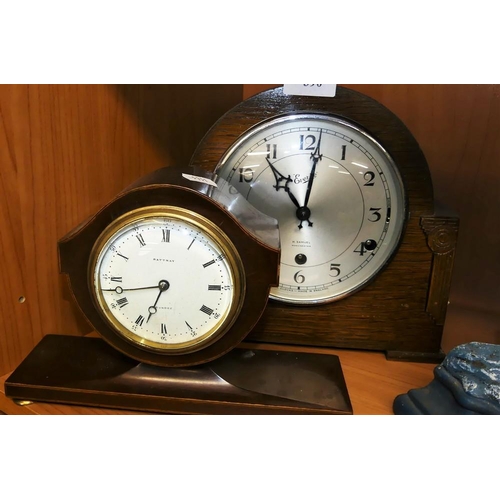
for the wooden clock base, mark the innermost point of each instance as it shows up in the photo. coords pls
(87, 371)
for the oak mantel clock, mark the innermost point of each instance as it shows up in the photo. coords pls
(366, 261)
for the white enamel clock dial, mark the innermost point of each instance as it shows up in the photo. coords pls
(336, 194)
(166, 279)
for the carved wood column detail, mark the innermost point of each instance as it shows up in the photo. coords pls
(442, 236)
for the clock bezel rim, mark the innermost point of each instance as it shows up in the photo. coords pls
(236, 268)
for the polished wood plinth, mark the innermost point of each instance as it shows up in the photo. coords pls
(88, 371)
(372, 382)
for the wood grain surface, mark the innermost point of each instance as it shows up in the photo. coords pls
(372, 382)
(65, 150)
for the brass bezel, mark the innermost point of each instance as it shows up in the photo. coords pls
(211, 231)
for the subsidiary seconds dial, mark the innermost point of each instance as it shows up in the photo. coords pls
(336, 194)
(166, 279)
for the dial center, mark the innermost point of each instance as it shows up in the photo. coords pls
(303, 213)
(163, 285)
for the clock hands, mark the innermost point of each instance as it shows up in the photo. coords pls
(164, 285)
(303, 212)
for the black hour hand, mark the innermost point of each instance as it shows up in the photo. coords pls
(280, 178)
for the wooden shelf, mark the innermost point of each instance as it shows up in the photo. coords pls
(372, 382)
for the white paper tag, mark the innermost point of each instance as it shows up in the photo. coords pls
(196, 178)
(315, 89)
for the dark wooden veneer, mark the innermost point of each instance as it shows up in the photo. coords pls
(167, 187)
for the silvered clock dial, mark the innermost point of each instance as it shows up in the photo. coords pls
(336, 193)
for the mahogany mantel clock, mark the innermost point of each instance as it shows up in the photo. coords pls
(173, 280)
(161, 272)
(365, 260)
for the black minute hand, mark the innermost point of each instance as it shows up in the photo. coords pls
(303, 213)
(119, 289)
(316, 156)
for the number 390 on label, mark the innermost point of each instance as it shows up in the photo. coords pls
(314, 89)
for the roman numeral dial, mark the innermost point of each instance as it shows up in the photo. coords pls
(168, 281)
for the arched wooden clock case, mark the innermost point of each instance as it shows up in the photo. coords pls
(402, 310)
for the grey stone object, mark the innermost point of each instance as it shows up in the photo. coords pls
(467, 382)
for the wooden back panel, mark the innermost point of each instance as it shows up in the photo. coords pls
(65, 151)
